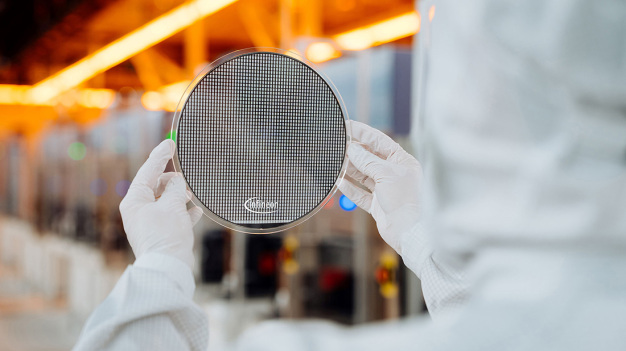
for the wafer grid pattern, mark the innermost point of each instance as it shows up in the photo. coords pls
(261, 140)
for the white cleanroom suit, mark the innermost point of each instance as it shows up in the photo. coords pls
(152, 303)
(522, 137)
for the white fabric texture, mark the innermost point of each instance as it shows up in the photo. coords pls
(523, 147)
(444, 283)
(391, 180)
(530, 153)
(150, 308)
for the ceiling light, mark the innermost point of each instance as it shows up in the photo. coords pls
(321, 51)
(11, 94)
(380, 32)
(125, 47)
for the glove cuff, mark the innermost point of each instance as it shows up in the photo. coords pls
(175, 269)
(416, 248)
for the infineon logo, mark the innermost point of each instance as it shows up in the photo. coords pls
(255, 205)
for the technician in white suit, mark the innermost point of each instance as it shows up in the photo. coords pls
(517, 229)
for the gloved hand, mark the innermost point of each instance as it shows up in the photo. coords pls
(393, 178)
(154, 210)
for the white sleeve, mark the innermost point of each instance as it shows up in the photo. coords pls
(444, 284)
(444, 289)
(150, 308)
(408, 334)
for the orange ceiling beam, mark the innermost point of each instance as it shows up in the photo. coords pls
(125, 47)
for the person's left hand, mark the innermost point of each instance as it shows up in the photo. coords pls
(154, 210)
(392, 178)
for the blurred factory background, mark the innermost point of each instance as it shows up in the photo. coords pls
(88, 88)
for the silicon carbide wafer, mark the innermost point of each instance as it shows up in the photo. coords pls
(261, 141)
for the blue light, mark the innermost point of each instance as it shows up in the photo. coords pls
(346, 204)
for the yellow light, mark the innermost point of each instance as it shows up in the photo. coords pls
(431, 13)
(151, 101)
(172, 94)
(379, 33)
(102, 98)
(125, 47)
(389, 290)
(295, 53)
(388, 260)
(68, 99)
(174, 91)
(291, 243)
(96, 98)
(166, 98)
(170, 106)
(84, 98)
(11, 94)
(290, 266)
(91, 98)
(321, 51)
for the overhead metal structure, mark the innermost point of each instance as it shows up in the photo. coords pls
(89, 50)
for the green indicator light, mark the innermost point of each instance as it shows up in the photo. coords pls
(77, 151)
(171, 135)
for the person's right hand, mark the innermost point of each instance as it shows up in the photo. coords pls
(392, 176)
(154, 210)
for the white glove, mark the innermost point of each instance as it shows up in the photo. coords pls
(154, 210)
(393, 178)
